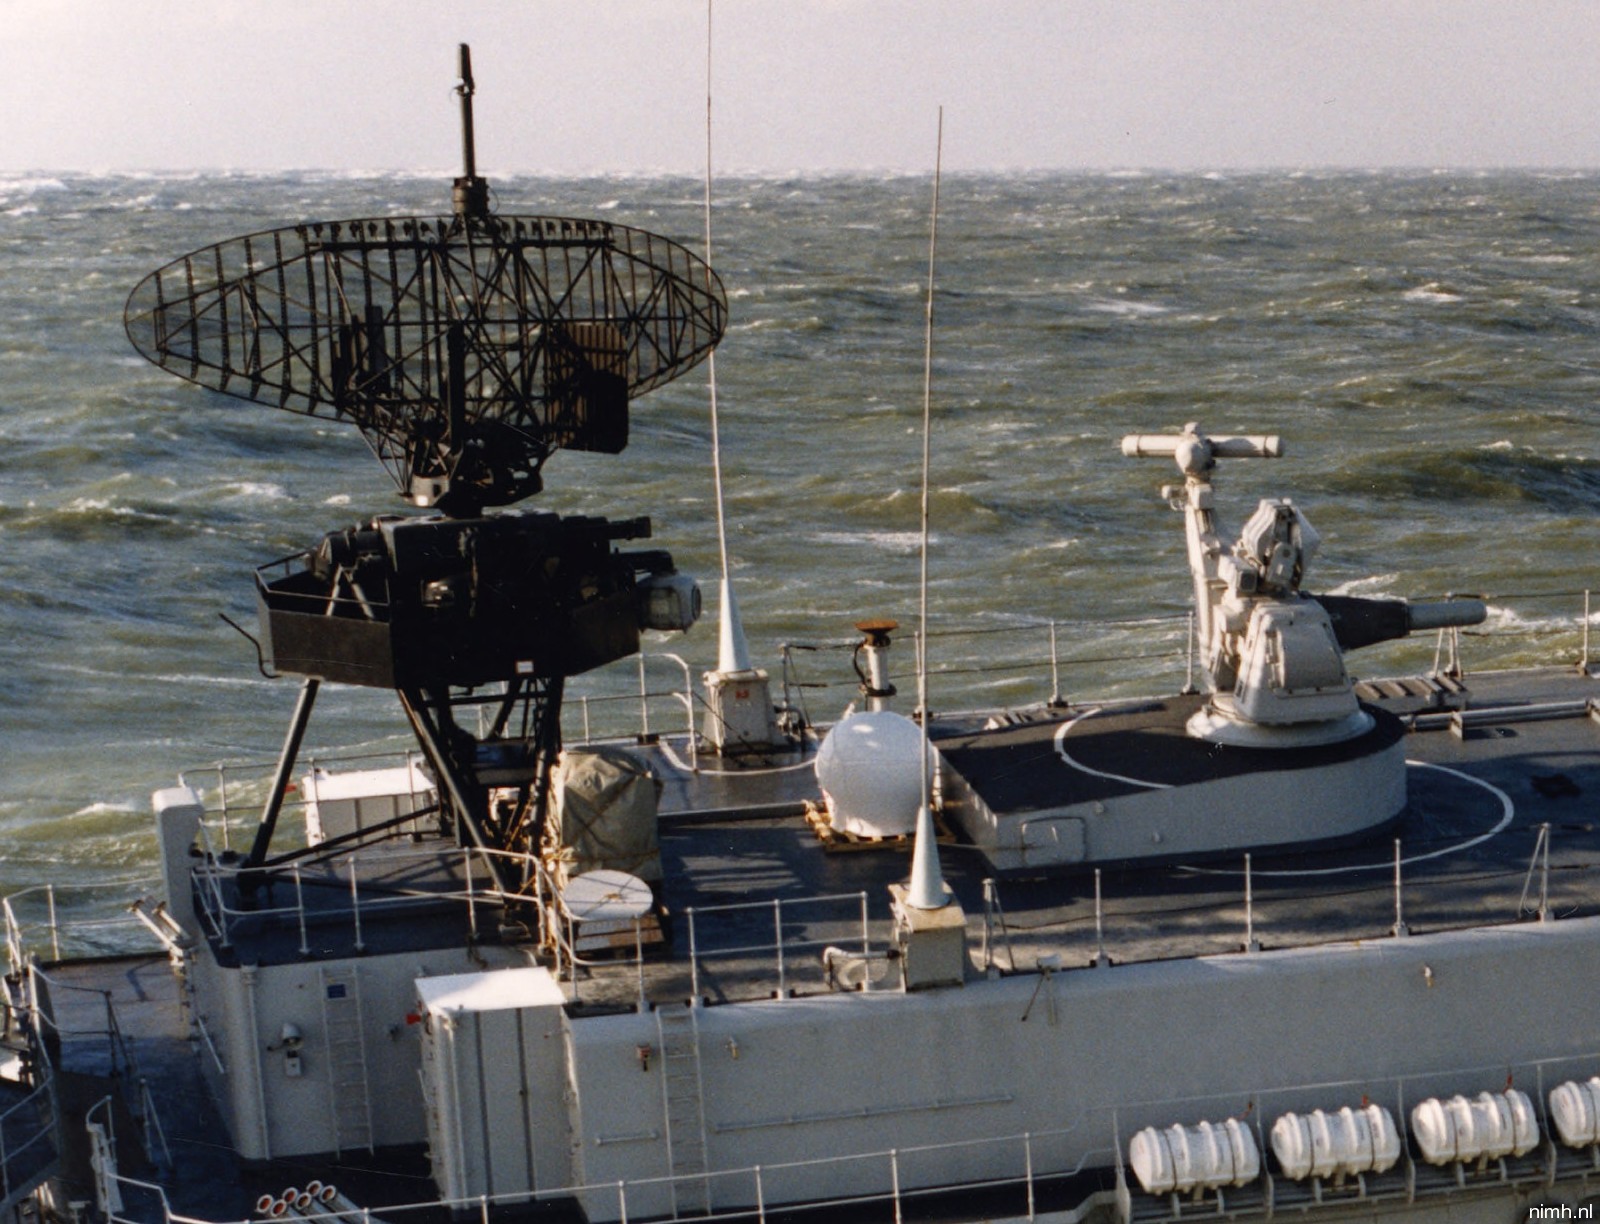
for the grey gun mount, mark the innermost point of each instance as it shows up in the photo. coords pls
(1273, 655)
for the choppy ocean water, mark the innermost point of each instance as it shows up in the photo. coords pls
(1428, 345)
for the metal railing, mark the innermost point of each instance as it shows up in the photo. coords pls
(890, 1182)
(345, 901)
(1024, 1171)
(1051, 659)
(30, 1124)
(782, 945)
(122, 1064)
(1038, 659)
(986, 667)
(240, 788)
(29, 1146)
(35, 925)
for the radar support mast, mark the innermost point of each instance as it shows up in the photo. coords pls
(1273, 654)
(470, 193)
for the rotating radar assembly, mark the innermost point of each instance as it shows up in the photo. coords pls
(466, 348)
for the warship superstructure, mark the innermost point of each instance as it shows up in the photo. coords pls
(762, 968)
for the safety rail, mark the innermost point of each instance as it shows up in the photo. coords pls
(224, 921)
(779, 942)
(1140, 928)
(1032, 658)
(1024, 1164)
(29, 1139)
(470, 865)
(122, 1064)
(240, 788)
(967, 666)
(1024, 1173)
(556, 932)
(46, 932)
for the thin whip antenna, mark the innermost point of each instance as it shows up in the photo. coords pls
(926, 888)
(927, 438)
(733, 655)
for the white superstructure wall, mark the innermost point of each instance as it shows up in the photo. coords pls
(821, 1079)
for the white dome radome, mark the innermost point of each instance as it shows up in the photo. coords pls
(868, 768)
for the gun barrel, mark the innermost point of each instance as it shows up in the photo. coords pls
(1446, 614)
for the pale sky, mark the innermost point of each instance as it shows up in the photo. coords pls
(799, 85)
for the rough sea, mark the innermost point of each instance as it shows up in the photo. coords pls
(1427, 345)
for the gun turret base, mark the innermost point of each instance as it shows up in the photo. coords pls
(1217, 723)
(1127, 783)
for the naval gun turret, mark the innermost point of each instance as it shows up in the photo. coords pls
(1278, 754)
(1273, 654)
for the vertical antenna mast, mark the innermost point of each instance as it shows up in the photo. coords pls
(733, 652)
(926, 890)
(739, 714)
(470, 193)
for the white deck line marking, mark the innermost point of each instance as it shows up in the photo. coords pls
(1061, 751)
(1508, 809)
(682, 766)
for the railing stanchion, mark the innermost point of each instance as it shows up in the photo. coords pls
(300, 910)
(777, 933)
(1055, 667)
(894, 1182)
(1100, 958)
(688, 707)
(1400, 927)
(694, 961)
(572, 948)
(55, 929)
(111, 1032)
(1027, 1157)
(1250, 944)
(1188, 674)
(786, 658)
(355, 904)
(638, 958)
(644, 704)
(761, 1198)
(866, 939)
(1544, 875)
(1583, 663)
(222, 798)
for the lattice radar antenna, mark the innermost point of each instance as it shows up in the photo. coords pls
(466, 349)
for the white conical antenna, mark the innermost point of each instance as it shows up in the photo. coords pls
(927, 883)
(733, 653)
(926, 890)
